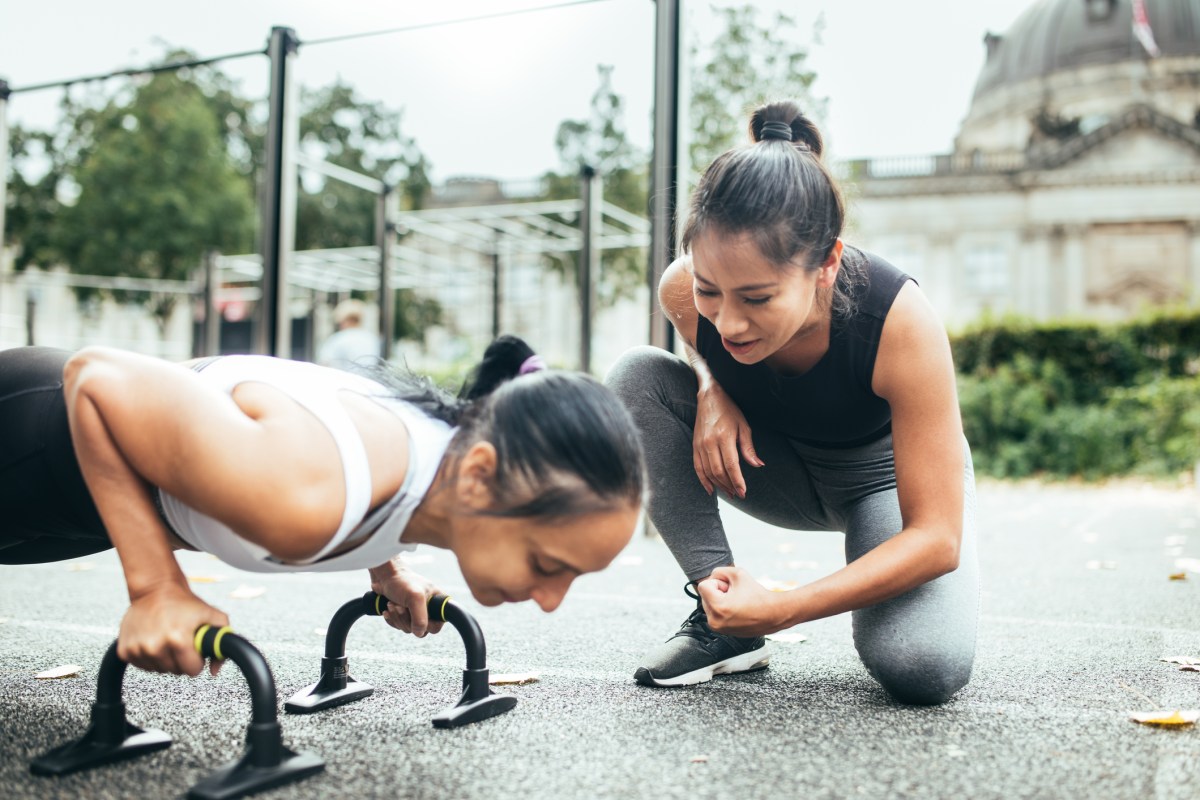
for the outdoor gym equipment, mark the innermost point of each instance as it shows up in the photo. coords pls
(265, 764)
(336, 687)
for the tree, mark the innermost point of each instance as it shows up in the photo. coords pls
(156, 188)
(45, 163)
(33, 197)
(366, 137)
(744, 66)
(414, 314)
(601, 142)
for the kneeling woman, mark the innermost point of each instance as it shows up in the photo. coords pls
(533, 478)
(837, 363)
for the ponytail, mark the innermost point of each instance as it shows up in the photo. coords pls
(565, 445)
(504, 359)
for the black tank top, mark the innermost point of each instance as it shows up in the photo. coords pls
(831, 405)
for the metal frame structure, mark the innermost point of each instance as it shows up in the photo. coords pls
(539, 228)
(493, 231)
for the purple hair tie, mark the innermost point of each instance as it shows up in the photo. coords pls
(532, 364)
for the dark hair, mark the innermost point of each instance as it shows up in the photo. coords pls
(565, 445)
(781, 194)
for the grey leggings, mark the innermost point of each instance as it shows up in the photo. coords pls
(920, 646)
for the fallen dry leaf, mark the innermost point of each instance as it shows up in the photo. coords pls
(787, 637)
(84, 567)
(1177, 576)
(513, 679)
(1190, 667)
(245, 592)
(699, 759)
(1190, 660)
(1165, 718)
(65, 671)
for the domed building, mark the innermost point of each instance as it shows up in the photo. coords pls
(1074, 185)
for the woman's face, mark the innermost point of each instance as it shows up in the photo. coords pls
(510, 560)
(756, 306)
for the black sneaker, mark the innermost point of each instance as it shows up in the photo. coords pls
(696, 653)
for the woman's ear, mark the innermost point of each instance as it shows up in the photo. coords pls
(827, 276)
(476, 476)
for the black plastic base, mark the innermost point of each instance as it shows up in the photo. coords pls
(475, 710)
(89, 751)
(242, 778)
(313, 698)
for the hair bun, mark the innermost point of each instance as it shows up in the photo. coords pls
(784, 120)
(775, 130)
(502, 361)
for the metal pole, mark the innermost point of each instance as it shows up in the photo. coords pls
(496, 295)
(589, 259)
(385, 231)
(211, 345)
(273, 336)
(664, 164)
(30, 315)
(4, 95)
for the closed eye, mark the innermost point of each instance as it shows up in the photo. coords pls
(545, 572)
(755, 301)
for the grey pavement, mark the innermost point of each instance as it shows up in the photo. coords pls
(1077, 610)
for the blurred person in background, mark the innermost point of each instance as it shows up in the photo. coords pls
(351, 344)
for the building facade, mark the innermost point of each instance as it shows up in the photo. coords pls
(1074, 186)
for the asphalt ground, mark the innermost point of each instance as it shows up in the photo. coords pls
(1077, 611)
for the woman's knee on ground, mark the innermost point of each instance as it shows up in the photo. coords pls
(917, 673)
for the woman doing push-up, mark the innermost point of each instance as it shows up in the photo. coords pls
(531, 479)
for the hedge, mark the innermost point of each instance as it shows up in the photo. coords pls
(1082, 399)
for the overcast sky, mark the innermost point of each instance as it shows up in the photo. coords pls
(485, 98)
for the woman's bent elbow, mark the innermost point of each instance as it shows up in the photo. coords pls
(949, 551)
(83, 368)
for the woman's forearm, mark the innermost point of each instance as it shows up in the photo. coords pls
(122, 497)
(704, 376)
(911, 558)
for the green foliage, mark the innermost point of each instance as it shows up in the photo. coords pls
(415, 314)
(366, 137)
(1082, 399)
(156, 188)
(33, 197)
(601, 143)
(744, 66)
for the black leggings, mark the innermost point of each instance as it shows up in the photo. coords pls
(46, 512)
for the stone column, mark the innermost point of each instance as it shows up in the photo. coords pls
(944, 281)
(1031, 272)
(1074, 270)
(1193, 273)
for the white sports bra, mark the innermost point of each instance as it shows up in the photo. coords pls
(316, 389)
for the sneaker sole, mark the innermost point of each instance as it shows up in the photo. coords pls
(746, 662)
